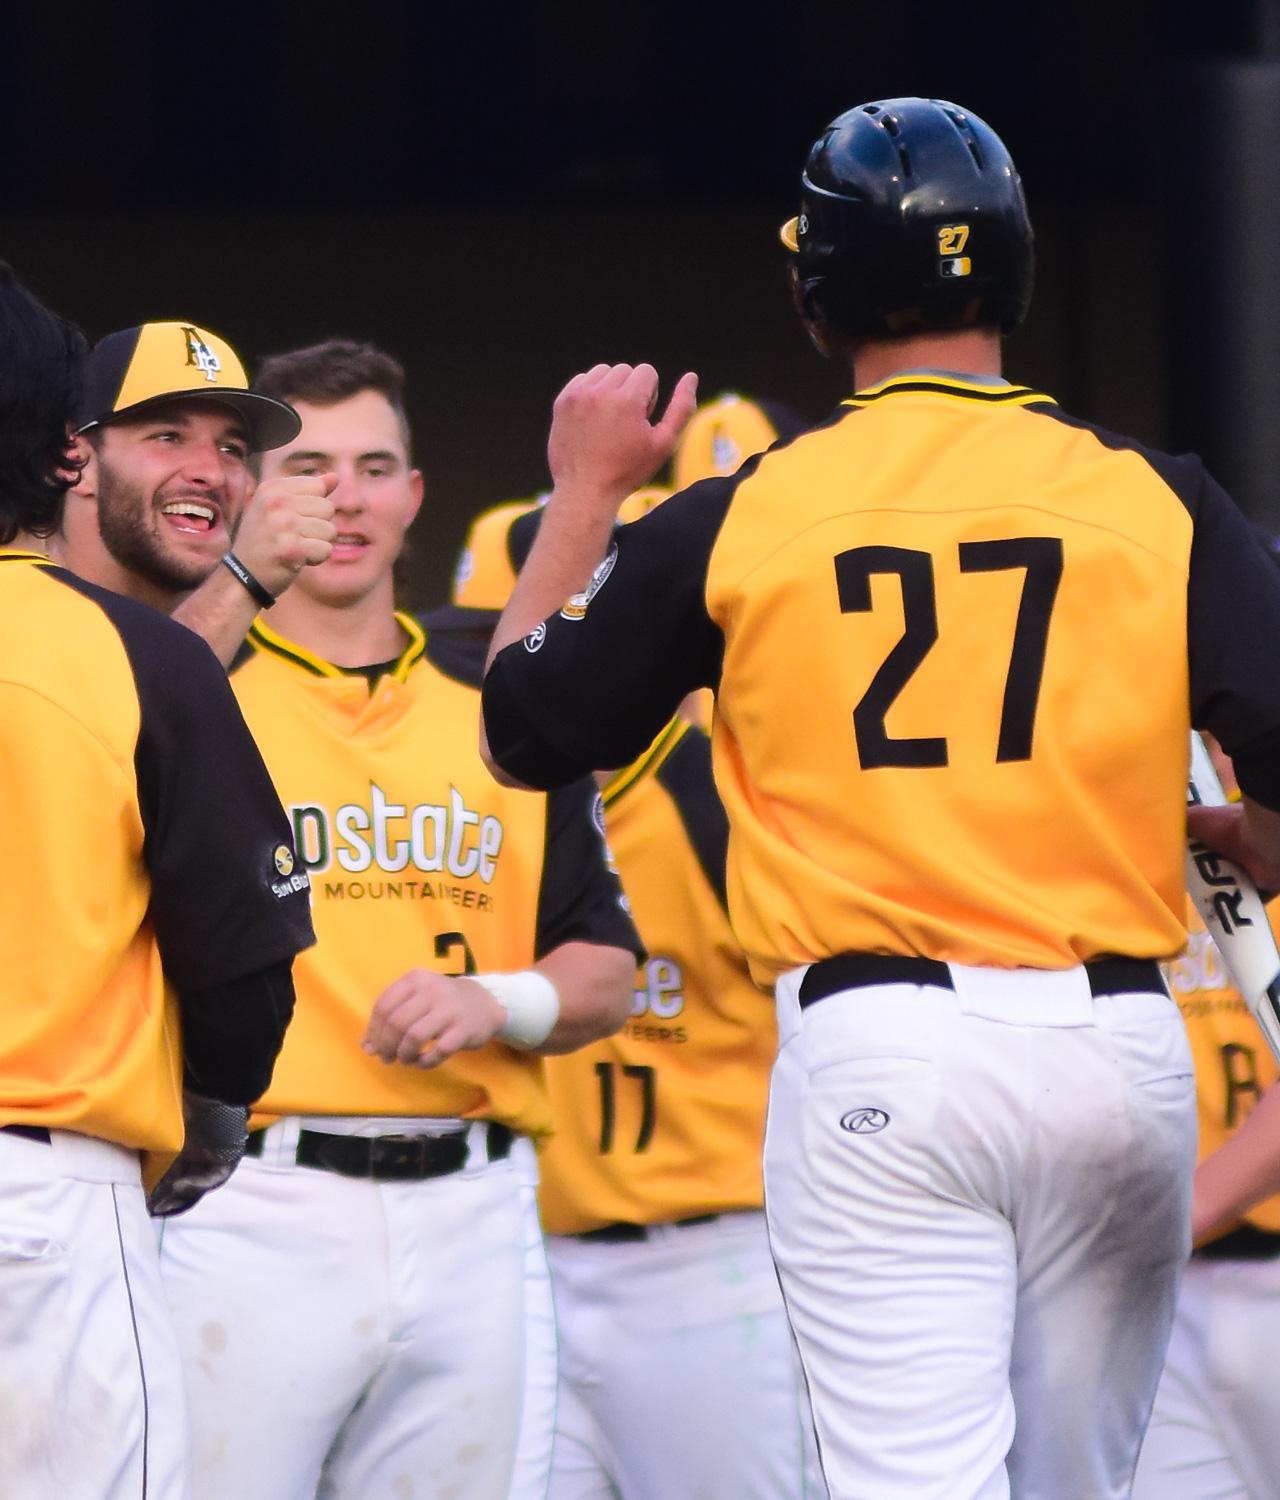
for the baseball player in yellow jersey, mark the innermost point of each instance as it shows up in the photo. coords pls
(485, 572)
(666, 1300)
(150, 913)
(166, 425)
(722, 434)
(957, 640)
(366, 1279)
(1215, 1426)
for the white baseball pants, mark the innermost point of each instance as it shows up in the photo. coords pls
(1215, 1430)
(978, 1200)
(91, 1403)
(346, 1338)
(678, 1372)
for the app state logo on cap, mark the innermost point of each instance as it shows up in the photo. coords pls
(206, 361)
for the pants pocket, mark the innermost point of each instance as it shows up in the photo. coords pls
(29, 1249)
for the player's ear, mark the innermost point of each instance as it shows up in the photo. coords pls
(85, 457)
(417, 488)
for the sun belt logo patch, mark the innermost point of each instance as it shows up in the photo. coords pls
(291, 878)
(200, 355)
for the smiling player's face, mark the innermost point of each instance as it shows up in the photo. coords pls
(172, 485)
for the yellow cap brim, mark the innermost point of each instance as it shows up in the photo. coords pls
(789, 233)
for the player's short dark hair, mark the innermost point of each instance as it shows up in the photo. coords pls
(334, 371)
(40, 360)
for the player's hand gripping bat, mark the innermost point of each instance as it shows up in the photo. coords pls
(1233, 910)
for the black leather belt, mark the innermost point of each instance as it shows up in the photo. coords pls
(853, 971)
(28, 1132)
(1246, 1243)
(390, 1158)
(635, 1234)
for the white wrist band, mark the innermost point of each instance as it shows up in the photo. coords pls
(531, 1002)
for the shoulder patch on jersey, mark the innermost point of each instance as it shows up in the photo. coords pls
(576, 605)
(287, 880)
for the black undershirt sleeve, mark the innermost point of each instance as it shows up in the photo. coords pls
(581, 899)
(232, 1033)
(591, 688)
(1233, 640)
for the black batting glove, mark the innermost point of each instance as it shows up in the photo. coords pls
(215, 1140)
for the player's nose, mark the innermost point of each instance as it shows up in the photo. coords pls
(202, 464)
(348, 496)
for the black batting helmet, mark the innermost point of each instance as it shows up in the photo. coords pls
(911, 218)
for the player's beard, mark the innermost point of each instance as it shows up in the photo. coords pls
(129, 528)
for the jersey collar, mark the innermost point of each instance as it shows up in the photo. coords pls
(263, 638)
(950, 385)
(19, 554)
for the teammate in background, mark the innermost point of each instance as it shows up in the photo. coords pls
(667, 1306)
(719, 438)
(956, 638)
(722, 434)
(485, 572)
(1215, 1428)
(145, 848)
(166, 427)
(365, 1276)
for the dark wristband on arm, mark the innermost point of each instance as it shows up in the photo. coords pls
(260, 595)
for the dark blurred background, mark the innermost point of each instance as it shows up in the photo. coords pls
(502, 194)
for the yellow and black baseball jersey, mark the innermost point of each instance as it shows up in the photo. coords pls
(494, 552)
(666, 1119)
(146, 852)
(957, 638)
(1234, 1066)
(418, 859)
(486, 572)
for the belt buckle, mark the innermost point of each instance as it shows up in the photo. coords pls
(414, 1158)
(398, 1155)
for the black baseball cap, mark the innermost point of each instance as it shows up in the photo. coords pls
(129, 371)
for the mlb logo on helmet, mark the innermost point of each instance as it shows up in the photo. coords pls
(952, 238)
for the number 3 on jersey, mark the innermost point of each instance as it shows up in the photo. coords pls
(1040, 558)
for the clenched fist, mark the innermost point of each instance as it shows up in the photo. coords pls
(287, 525)
(603, 443)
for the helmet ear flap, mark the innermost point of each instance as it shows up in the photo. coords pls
(806, 296)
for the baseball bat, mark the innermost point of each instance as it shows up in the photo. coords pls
(1233, 910)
